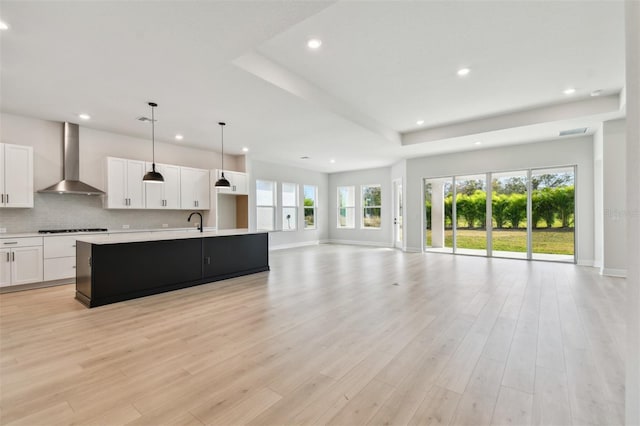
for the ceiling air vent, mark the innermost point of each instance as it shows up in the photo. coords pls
(578, 131)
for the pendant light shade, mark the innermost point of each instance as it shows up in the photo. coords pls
(222, 182)
(152, 176)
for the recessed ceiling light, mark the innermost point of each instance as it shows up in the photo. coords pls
(332, 161)
(84, 116)
(179, 137)
(3, 26)
(420, 122)
(596, 93)
(314, 43)
(477, 143)
(569, 91)
(245, 149)
(463, 71)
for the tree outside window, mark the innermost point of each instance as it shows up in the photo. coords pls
(371, 206)
(310, 206)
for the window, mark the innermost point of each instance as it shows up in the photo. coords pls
(289, 206)
(346, 207)
(310, 206)
(371, 206)
(265, 205)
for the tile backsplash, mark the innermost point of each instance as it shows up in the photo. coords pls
(65, 211)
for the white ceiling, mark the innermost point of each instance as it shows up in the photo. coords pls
(382, 66)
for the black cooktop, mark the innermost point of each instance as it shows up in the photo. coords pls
(64, 231)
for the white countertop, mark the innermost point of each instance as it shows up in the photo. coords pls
(160, 236)
(110, 231)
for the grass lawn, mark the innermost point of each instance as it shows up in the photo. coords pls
(554, 241)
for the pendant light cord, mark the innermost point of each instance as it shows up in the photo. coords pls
(153, 136)
(222, 137)
(222, 124)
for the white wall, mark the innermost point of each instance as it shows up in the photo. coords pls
(259, 170)
(377, 237)
(614, 251)
(570, 151)
(632, 384)
(598, 200)
(46, 139)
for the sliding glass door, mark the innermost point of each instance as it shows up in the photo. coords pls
(553, 214)
(438, 198)
(509, 214)
(471, 215)
(530, 214)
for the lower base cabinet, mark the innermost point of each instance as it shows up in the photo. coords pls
(21, 264)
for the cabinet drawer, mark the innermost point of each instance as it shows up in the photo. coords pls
(59, 268)
(60, 246)
(20, 242)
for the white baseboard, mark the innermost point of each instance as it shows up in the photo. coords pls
(294, 245)
(585, 262)
(413, 249)
(361, 243)
(609, 272)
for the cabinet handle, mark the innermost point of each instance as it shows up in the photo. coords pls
(2, 199)
(7, 198)
(13, 256)
(73, 245)
(74, 266)
(11, 242)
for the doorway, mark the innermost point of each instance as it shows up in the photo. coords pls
(397, 214)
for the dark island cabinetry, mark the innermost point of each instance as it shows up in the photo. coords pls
(109, 272)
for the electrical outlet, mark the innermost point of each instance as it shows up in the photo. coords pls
(165, 225)
(125, 226)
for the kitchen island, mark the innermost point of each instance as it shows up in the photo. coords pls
(114, 268)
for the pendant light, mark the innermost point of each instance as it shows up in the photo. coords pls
(153, 176)
(222, 182)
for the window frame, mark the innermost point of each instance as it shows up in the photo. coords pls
(353, 207)
(363, 207)
(272, 206)
(314, 208)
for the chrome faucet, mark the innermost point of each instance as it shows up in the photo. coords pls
(199, 214)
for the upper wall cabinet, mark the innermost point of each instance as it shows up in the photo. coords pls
(238, 180)
(165, 195)
(125, 189)
(16, 176)
(194, 188)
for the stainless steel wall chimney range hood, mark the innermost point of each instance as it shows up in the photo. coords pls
(70, 183)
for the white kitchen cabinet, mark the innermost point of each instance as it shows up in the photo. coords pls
(164, 195)
(20, 261)
(125, 189)
(16, 176)
(59, 257)
(238, 180)
(5, 267)
(194, 188)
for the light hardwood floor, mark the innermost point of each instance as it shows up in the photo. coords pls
(331, 335)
